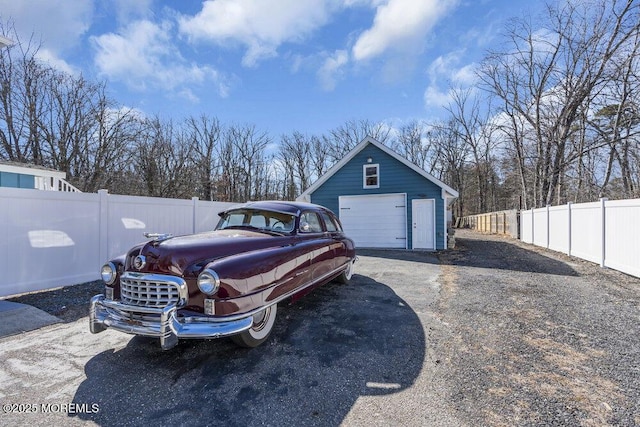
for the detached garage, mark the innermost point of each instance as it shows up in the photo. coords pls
(385, 201)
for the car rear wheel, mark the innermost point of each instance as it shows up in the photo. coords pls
(260, 330)
(345, 276)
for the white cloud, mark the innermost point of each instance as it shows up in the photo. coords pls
(45, 55)
(400, 25)
(52, 26)
(444, 73)
(465, 76)
(60, 25)
(127, 10)
(435, 97)
(259, 25)
(448, 67)
(332, 69)
(143, 56)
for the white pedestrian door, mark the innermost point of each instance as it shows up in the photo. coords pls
(423, 227)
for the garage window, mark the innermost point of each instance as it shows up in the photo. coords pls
(371, 176)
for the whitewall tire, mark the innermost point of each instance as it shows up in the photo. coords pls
(260, 330)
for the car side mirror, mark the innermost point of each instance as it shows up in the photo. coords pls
(305, 227)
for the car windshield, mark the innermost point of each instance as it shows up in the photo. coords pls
(262, 220)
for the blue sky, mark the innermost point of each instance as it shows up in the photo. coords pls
(282, 65)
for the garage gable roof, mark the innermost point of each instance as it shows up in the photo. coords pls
(451, 193)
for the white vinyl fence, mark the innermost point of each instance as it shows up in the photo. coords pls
(604, 232)
(50, 239)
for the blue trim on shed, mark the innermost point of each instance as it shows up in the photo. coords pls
(395, 177)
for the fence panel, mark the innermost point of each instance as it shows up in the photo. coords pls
(502, 222)
(526, 226)
(540, 231)
(50, 239)
(130, 216)
(207, 214)
(604, 232)
(586, 231)
(558, 228)
(622, 222)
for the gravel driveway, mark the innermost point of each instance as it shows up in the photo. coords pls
(534, 337)
(493, 333)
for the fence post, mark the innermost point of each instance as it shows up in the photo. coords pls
(504, 223)
(603, 230)
(569, 228)
(194, 218)
(103, 226)
(533, 228)
(548, 225)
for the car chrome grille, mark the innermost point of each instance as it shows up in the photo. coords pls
(148, 293)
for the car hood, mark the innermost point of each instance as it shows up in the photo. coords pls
(187, 255)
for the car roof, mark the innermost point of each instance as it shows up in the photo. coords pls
(287, 207)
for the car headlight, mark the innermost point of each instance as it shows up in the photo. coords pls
(209, 282)
(108, 273)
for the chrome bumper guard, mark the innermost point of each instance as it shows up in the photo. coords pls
(168, 327)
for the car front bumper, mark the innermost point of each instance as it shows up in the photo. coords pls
(159, 322)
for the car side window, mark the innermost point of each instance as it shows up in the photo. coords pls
(328, 222)
(310, 223)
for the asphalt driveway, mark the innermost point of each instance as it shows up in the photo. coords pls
(352, 354)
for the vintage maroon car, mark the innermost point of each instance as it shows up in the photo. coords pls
(227, 282)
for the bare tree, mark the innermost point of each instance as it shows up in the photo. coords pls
(548, 78)
(413, 144)
(319, 156)
(295, 151)
(163, 161)
(105, 159)
(243, 163)
(205, 134)
(24, 82)
(475, 130)
(345, 137)
(68, 121)
(617, 120)
(451, 156)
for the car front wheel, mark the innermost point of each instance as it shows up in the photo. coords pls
(260, 330)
